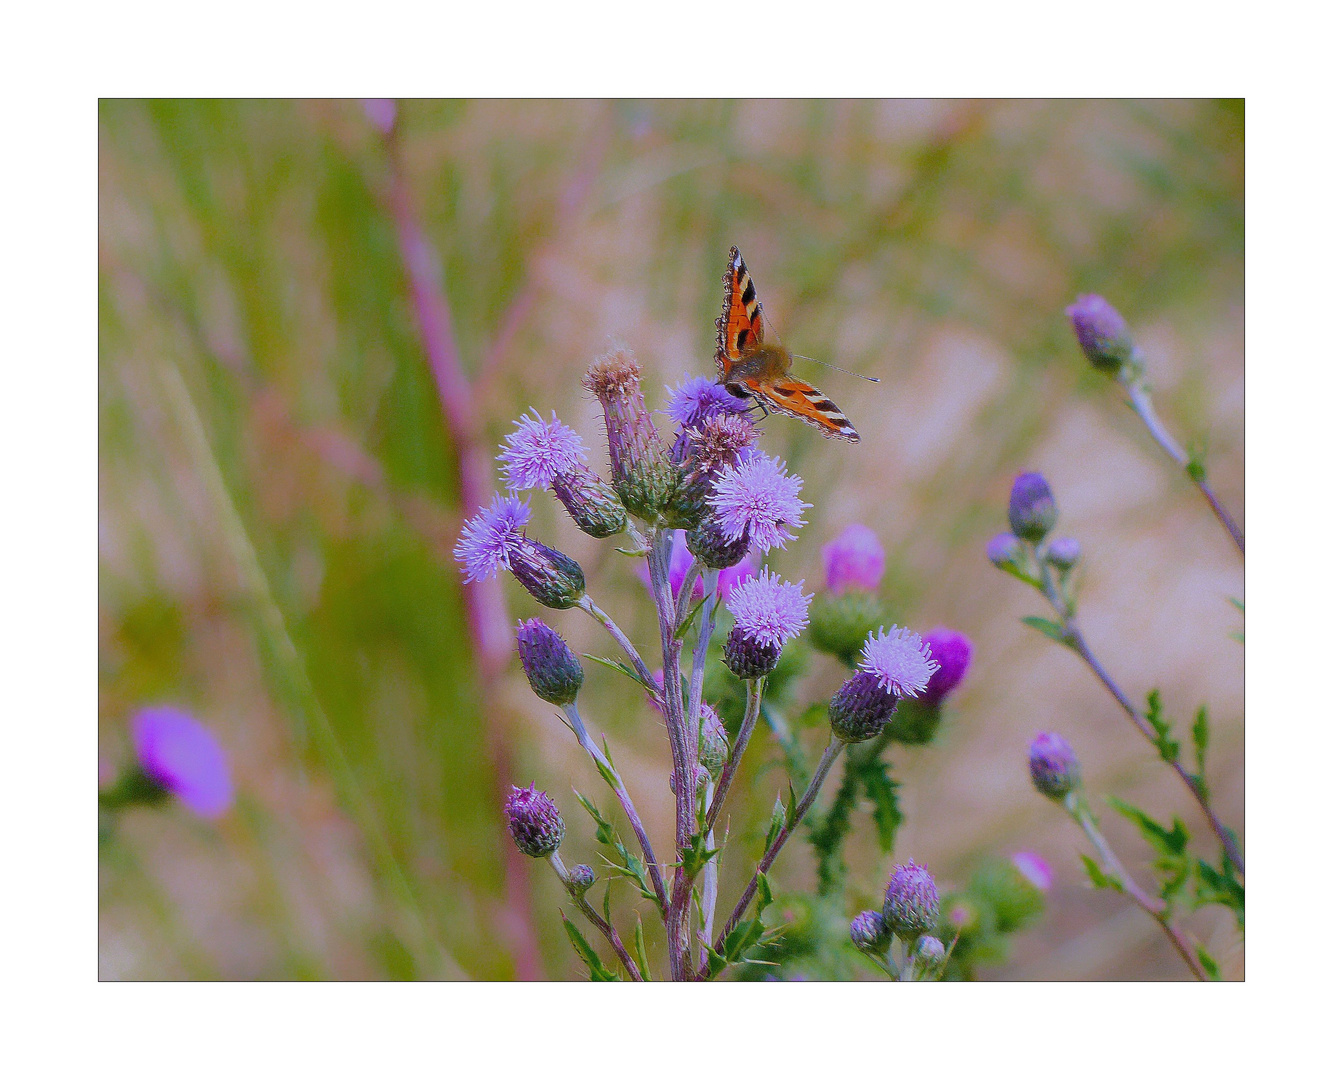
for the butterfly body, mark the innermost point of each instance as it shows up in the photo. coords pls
(749, 368)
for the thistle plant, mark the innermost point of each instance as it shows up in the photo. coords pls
(1035, 555)
(702, 510)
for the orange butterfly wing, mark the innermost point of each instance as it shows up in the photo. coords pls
(741, 326)
(803, 401)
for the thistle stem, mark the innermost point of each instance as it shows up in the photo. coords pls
(589, 605)
(754, 691)
(1078, 644)
(1141, 400)
(832, 751)
(683, 758)
(1078, 811)
(627, 804)
(607, 930)
(709, 899)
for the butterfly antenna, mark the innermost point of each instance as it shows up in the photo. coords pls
(836, 367)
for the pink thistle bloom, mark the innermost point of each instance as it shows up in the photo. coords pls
(900, 660)
(760, 495)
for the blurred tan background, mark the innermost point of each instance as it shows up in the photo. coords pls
(279, 490)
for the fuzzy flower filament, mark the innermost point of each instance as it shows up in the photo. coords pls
(901, 661)
(537, 451)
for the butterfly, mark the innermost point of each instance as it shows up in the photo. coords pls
(748, 368)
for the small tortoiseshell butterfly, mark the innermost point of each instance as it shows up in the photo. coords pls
(748, 368)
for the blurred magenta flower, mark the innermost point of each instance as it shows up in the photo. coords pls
(952, 652)
(185, 758)
(682, 560)
(855, 559)
(1034, 869)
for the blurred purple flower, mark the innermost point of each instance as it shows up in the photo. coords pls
(768, 609)
(952, 652)
(1102, 332)
(1055, 770)
(900, 660)
(175, 751)
(490, 538)
(1003, 549)
(854, 560)
(539, 450)
(381, 113)
(1031, 509)
(760, 495)
(682, 560)
(1034, 869)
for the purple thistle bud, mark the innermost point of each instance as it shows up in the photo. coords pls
(538, 451)
(590, 501)
(581, 878)
(854, 560)
(1102, 333)
(641, 471)
(1031, 510)
(900, 660)
(869, 932)
(552, 578)
(768, 609)
(534, 821)
(693, 402)
(713, 742)
(183, 758)
(911, 905)
(714, 548)
(861, 708)
(1063, 553)
(551, 667)
(490, 538)
(1055, 770)
(952, 652)
(1003, 550)
(1034, 869)
(759, 495)
(748, 658)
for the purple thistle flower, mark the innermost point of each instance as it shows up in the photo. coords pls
(900, 660)
(490, 538)
(1034, 869)
(538, 451)
(768, 609)
(854, 560)
(696, 399)
(1102, 333)
(1055, 770)
(952, 652)
(186, 759)
(760, 495)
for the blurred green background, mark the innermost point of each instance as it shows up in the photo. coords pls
(280, 489)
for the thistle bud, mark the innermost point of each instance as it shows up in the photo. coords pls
(929, 953)
(534, 821)
(910, 907)
(551, 667)
(713, 744)
(713, 547)
(552, 578)
(581, 878)
(590, 501)
(869, 932)
(1004, 550)
(1063, 553)
(1102, 333)
(748, 657)
(1031, 510)
(1055, 770)
(861, 708)
(641, 470)
(840, 624)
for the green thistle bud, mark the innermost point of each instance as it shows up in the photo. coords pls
(869, 933)
(911, 906)
(552, 578)
(713, 743)
(590, 501)
(551, 667)
(840, 623)
(581, 878)
(708, 543)
(749, 658)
